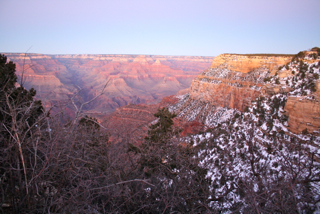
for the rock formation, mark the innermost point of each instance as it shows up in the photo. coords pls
(303, 114)
(245, 63)
(234, 81)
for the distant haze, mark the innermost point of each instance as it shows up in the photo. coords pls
(175, 27)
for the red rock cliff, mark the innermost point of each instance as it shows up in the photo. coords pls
(233, 81)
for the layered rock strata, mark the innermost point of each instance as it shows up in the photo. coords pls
(304, 114)
(231, 82)
(245, 63)
(234, 81)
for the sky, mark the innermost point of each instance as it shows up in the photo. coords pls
(159, 27)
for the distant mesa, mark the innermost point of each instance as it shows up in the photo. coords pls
(157, 62)
(141, 60)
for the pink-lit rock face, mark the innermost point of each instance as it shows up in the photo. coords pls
(229, 81)
(131, 78)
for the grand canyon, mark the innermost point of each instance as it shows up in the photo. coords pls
(128, 78)
(232, 133)
(229, 81)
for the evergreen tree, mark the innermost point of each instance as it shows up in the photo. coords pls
(160, 131)
(14, 100)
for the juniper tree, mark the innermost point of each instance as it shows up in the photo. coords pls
(178, 183)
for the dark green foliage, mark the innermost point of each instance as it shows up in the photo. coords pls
(159, 132)
(284, 118)
(280, 67)
(89, 122)
(162, 160)
(13, 98)
(133, 148)
(298, 56)
(287, 66)
(305, 131)
(158, 144)
(313, 56)
(316, 49)
(312, 87)
(8, 76)
(19, 117)
(301, 54)
(267, 79)
(303, 67)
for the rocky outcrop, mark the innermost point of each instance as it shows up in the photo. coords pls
(231, 82)
(223, 94)
(234, 81)
(303, 114)
(245, 63)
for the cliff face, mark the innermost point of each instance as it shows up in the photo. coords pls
(250, 62)
(303, 114)
(234, 81)
(231, 82)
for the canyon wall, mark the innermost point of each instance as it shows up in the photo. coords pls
(234, 81)
(245, 63)
(304, 114)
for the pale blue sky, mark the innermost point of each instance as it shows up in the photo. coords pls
(164, 27)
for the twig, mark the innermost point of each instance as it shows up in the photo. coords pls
(123, 182)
